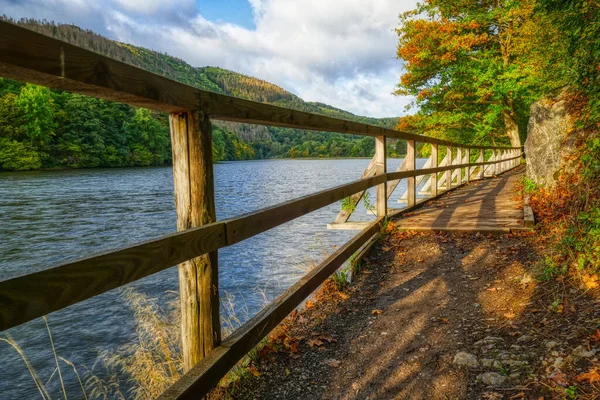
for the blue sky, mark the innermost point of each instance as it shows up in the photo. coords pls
(233, 11)
(339, 52)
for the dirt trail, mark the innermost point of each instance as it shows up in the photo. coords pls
(420, 300)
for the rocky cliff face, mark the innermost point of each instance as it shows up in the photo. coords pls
(549, 140)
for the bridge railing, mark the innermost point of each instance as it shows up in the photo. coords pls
(32, 57)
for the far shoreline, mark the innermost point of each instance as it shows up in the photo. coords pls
(215, 163)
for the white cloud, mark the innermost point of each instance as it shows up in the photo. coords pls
(152, 6)
(339, 52)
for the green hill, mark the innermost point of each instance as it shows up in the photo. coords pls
(252, 141)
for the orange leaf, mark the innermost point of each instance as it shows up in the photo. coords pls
(591, 281)
(314, 342)
(376, 312)
(596, 336)
(328, 338)
(310, 304)
(253, 370)
(591, 376)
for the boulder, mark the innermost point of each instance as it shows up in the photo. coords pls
(463, 359)
(491, 379)
(549, 138)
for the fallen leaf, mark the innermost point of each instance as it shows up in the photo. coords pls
(591, 376)
(328, 338)
(310, 304)
(596, 336)
(443, 320)
(559, 378)
(509, 315)
(332, 362)
(560, 278)
(526, 279)
(287, 372)
(252, 369)
(591, 281)
(314, 342)
(376, 312)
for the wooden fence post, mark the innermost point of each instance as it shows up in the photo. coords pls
(411, 166)
(449, 172)
(434, 164)
(195, 206)
(459, 160)
(481, 159)
(381, 168)
(468, 162)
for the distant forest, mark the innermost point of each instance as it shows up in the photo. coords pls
(42, 128)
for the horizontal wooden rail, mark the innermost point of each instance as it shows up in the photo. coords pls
(418, 172)
(201, 378)
(34, 295)
(33, 57)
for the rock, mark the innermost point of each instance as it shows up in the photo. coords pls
(548, 140)
(551, 344)
(489, 363)
(491, 379)
(524, 338)
(463, 359)
(581, 352)
(558, 363)
(489, 340)
(515, 363)
(332, 362)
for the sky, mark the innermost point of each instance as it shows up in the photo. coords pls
(338, 52)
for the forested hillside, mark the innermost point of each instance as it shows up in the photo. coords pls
(44, 128)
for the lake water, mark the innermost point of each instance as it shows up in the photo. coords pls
(51, 217)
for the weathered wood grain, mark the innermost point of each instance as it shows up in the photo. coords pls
(195, 205)
(34, 295)
(487, 207)
(411, 187)
(381, 169)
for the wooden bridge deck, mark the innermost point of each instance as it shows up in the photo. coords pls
(491, 205)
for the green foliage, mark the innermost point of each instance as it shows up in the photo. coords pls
(247, 141)
(550, 269)
(529, 186)
(42, 128)
(475, 67)
(341, 278)
(36, 103)
(18, 156)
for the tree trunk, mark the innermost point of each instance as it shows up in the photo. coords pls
(510, 124)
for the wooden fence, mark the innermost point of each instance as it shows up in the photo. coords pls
(32, 57)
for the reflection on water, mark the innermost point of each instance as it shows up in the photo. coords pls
(50, 217)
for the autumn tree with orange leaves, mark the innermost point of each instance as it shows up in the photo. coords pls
(474, 67)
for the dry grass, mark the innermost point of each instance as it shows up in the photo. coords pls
(151, 362)
(40, 385)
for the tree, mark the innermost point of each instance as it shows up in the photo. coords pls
(471, 67)
(36, 103)
(148, 139)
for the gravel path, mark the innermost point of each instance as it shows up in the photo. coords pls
(430, 316)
